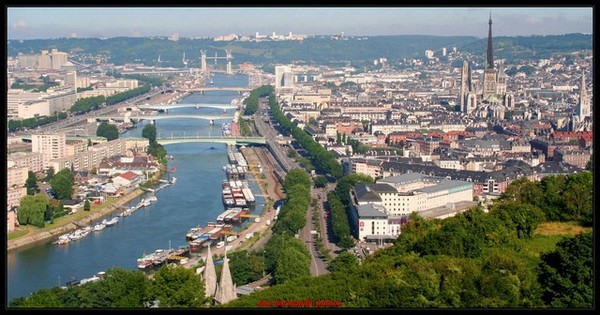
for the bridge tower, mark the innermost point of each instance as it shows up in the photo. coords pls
(229, 69)
(203, 67)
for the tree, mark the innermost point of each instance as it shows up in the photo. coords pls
(31, 183)
(49, 174)
(149, 132)
(32, 209)
(108, 131)
(89, 143)
(177, 287)
(588, 166)
(86, 205)
(320, 181)
(578, 193)
(62, 184)
(345, 262)
(566, 274)
(291, 264)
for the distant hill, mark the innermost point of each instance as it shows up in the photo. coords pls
(318, 50)
(531, 47)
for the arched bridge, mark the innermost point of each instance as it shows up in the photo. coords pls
(227, 140)
(200, 105)
(157, 117)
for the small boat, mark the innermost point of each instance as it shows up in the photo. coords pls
(111, 222)
(99, 227)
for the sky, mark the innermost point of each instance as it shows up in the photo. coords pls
(56, 22)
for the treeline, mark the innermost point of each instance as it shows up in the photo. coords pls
(152, 80)
(30, 123)
(88, 104)
(251, 102)
(324, 161)
(500, 259)
(287, 257)
(338, 204)
(171, 287)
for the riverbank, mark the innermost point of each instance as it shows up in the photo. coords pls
(43, 236)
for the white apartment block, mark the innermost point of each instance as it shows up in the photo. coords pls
(52, 146)
(33, 161)
(14, 195)
(16, 176)
(92, 157)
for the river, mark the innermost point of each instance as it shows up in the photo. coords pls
(194, 199)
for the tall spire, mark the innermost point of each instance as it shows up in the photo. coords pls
(490, 49)
(226, 290)
(210, 275)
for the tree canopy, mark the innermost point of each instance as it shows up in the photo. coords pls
(62, 184)
(108, 131)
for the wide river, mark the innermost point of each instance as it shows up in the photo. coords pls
(194, 199)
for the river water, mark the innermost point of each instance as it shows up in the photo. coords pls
(194, 199)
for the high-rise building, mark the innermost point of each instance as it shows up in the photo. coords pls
(283, 77)
(52, 146)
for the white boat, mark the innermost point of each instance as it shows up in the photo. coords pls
(112, 221)
(152, 199)
(99, 227)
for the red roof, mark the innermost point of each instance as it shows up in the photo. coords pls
(129, 175)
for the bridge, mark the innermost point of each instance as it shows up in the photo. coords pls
(204, 89)
(166, 107)
(227, 140)
(157, 117)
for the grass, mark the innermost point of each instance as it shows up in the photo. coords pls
(17, 234)
(548, 234)
(561, 228)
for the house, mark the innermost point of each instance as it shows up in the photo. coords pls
(127, 179)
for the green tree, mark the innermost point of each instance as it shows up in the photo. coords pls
(588, 166)
(32, 209)
(62, 184)
(291, 264)
(320, 181)
(31, 183)
(345, 262)
(578, 197)
(50, 174)
(566, 274)
(177, 287)
(149, 132)
(108, 131)
(89, 144)
(86, 205)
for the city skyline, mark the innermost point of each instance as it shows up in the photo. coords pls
(58, 22)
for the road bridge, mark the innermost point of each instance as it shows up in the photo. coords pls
(166, 107)
(226, 140)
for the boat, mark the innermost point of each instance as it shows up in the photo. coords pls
(99, 227)
(111, 222)
(152, 199)
(145, 261)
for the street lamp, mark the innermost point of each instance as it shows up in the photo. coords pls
(264, 263)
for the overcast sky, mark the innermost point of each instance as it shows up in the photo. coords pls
(55, 22)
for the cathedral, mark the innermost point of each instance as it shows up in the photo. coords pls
(580, 119)
(493, 99)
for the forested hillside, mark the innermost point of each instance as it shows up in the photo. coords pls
(318, 50)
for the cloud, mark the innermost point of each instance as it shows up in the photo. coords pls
(19, 24)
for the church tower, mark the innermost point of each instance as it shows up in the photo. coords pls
(583, 106)
(209, 275)
(226, 291)
(489, 75)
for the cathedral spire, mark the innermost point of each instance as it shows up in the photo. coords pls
(490, 49)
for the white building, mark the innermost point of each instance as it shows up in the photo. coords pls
(378, 208)
(52, 146)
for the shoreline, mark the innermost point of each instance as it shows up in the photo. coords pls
(39, 237)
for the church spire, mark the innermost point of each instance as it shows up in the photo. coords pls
(226, 291)
(210, 275)
(490, 49)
